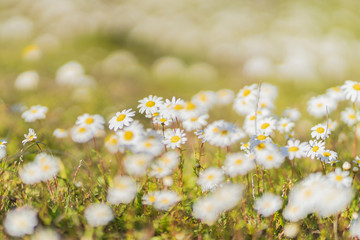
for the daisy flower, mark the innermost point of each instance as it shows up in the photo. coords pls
(266, 125)
(350, 117)
(315, 147)
(319, 131)
(172, 109)
(332, 125)
(317, 106)
(150, 198)
(112, 143)
(238, 164)
(45, 233)
(166, 199)
(192, 109)
(221, 133)
(271, 157)
(34, 113)
(159, 170)
(150, 146)
(248, 92)
(31, 136)
(121, 119)
(296, 149)
(20, 221)
(150, 104)
(351, 90)
(27, 81)
(340, 178)
(285, 125)
(30, 173)
(328, 156)
(93, 122)
(244, 106)
(357, 160)
(294, 212)
(334, 200)
(268, 204)
(169, 159)
(194, 123)
(131, 135)
(60, 133)
(228, 195)
(224, 96)
(292, 113)
(98, 214)
(207, 209)
(162, 120)
(137, 164)
(210, 178)
(48, 165)
(81, 133)
(174, 139)
(123, 190)
(336, 93)
(205, 99)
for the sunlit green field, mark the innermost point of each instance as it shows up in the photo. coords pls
(122, 63)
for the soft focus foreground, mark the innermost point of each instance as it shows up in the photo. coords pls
(145, 120)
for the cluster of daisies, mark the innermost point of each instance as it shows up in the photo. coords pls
(156, 153)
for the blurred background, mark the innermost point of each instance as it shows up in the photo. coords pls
(100, 53)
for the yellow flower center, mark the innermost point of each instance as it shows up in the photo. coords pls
(175, 139)
(128, 135)
(156, 114)
(356, 86)
(152, 199)
(261, 146)
(246, 145)
(315, 148)
(162, 120)
(140, 162)
(246, 92)
(120, 185)
(113, 141)
(190, 106)
(252, 118)
(336, 89)
(293, 149)
(121, 117)
(34, 111)
(165, 201)
(224, 132)
(210, 177)
(178, 107)
(261, 137)
(326, 154)
(82, 129)
(307, 193)
(238, 161)
(338, 177)
(269, 158)
(216, 130)
(148, 144)
(352, 116)
(320, 130)
(284, 124)
(194, 119)
(45, 167)
(265, 125)
(89, 120)
(150, 104)
(203, 97)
